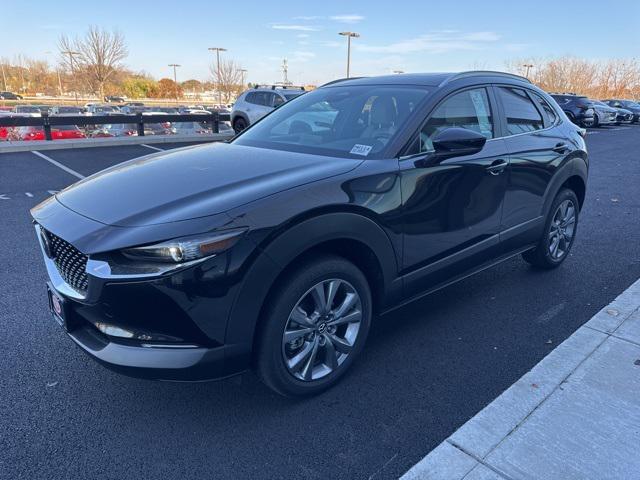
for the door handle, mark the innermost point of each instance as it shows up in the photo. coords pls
(497, 167)
(560, 147)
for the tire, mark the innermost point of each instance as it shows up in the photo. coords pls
(596, 121)
(557, 227)
(284, 365)
(239, 124)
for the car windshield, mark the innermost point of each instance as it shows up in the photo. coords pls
(291, 96)
(69, 110)
(345, 121)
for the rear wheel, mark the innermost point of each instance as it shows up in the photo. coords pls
(596, 121)
(239, 124)
(559, 233)
(314, 328)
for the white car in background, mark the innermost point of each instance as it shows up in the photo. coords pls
(254, 104)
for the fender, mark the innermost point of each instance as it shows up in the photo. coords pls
(273, 258)
(574, 166)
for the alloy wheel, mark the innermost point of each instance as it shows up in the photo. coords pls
(562, 229)
(322, 329)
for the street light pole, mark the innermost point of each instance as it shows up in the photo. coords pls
(349, 35)
(49, 52)
(4, 77)
(218, 82)
(175, 78)
(242, 72)
(528, 66)
(71, 54)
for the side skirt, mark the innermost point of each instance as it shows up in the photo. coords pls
(459, 278)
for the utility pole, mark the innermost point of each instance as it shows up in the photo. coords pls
(349, 36)
(528, 66)
(71, 54)
(175, 78)
(242, 73)
(49, 52)
(4, 76)
(218, 79)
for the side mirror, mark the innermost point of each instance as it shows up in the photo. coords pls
(457, 142)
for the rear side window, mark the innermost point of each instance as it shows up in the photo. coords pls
(548, 110)
(521, 114)
(469, 109)
(257, 98)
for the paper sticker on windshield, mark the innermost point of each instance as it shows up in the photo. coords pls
(361, 149)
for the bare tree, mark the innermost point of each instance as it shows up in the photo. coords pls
(228, 78)
(98, 55)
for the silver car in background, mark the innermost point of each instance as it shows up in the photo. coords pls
(603, 114)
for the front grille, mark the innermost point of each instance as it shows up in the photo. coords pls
(70, 261)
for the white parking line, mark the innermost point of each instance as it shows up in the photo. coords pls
(152, 147)
(58, 164)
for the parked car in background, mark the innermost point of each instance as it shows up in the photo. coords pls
(59, 132)
(577, 107)
(621, 115)
(97, 109)
(633, 107)
(161, 128)
(113, 99)
(275, 251)
(132, 109)
(61, 111)
(5, 131)
(254, 104)
(192, 128)
(603, 114)
(10, 96)
(115, 130)
(30, 110)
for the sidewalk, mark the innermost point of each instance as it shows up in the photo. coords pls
(575, 415)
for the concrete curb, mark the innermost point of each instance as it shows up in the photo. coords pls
(467, 453)
(11, 147)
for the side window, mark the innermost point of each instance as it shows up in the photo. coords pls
(551, 114)
(469, 109)
(521, 114)
(278, 100)
(251, 97)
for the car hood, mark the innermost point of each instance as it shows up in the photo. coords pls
(193, 182)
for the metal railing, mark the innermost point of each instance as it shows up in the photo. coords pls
(47, 121)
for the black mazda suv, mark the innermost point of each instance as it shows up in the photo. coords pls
(277, 250)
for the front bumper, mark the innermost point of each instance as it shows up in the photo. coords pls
(175, 322)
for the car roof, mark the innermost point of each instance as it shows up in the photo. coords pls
(428, 79)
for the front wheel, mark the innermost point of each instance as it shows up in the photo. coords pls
(239, 124)
(315, 327)
(559, 232)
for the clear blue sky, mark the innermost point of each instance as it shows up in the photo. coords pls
(395, 35)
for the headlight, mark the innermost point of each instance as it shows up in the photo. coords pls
(186, 249)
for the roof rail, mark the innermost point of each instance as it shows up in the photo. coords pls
(284, 87)
(339, 80)
(485, 73)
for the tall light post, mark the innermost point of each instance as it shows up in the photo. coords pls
(4, 76)
(49, 52)
(175, 78)
(243, 71)
(349, 36)
(528, 67)
(218, 82)
(71, 54)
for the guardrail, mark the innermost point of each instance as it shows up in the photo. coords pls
(47, 121)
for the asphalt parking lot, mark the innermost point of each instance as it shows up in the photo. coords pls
(427, 368)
